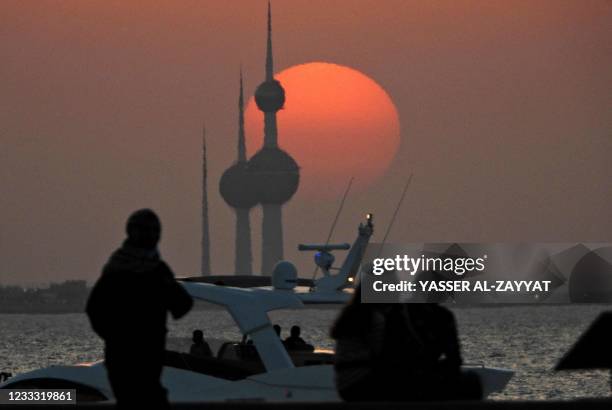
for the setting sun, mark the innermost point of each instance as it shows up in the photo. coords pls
(337, 123)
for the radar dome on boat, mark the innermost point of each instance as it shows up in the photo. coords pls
(284, 275)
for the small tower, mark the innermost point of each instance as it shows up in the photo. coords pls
(205, 262)
(237, 189)
(276, 173)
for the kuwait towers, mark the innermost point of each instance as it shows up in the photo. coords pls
(237, 189)
(269, 178)
(276, 174)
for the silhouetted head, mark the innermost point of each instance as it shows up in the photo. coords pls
(355, 317)
(295, 331)
(277, 329)
(198, 336)
(143, 229)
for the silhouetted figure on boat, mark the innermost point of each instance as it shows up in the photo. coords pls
(295, 342)
(399, 352)
(128, 308)
(277, 329)
(200, 347)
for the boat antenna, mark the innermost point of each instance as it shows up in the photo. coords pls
(399, 204)
(333, 226)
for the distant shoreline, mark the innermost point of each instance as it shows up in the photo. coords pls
(42, 310)
(58, 298)
(63, 309)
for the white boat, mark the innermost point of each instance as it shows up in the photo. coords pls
(226, 377)
(263, 370)
(330, 288)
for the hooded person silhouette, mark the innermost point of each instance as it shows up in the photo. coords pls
(128, 308)
(399, 352)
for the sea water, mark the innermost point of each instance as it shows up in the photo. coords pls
(526, 339)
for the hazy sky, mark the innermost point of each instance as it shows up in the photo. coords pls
(505, 110)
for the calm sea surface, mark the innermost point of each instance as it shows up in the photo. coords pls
(527, 339)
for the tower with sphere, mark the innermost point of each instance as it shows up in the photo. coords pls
(238, 190)
(275, 173)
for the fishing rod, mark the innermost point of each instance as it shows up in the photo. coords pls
(397, 208)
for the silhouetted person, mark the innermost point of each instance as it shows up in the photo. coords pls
(359, 332)
(429, 331)
(295, 342)
(200, 347)
(128, 308)
(399, 352)
(277, 329)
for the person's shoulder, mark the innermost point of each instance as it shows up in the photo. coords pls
(161, 273)
(109, 265)
(165, 269)
(109, 272)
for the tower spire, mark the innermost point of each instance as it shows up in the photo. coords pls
(269, 62)
(276, 174)
(241, 139)
(205, 262)
(236, 188)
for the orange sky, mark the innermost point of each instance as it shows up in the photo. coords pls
(504, 105)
